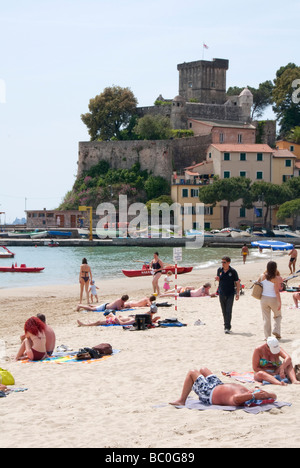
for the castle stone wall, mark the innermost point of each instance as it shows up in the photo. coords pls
(160, 157)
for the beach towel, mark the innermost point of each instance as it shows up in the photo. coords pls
(12, 390)
(197, 405)
(193, 404)
(67, 358)
(248, 377)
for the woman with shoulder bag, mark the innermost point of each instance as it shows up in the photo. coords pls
(271, 300)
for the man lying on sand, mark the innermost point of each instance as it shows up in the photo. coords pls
(145, 302)
(119, 304)
(191, 292)
(211, 391)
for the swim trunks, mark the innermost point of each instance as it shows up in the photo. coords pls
(101, 308)
(186, 293)
(204, 387)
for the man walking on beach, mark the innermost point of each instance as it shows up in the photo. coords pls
(229, 284)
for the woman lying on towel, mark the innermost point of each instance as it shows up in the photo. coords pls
(211, 391)
(110, 319)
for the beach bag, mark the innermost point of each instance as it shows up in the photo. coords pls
(257, 290)
(297, 371)
(103, 349)
(6, 378)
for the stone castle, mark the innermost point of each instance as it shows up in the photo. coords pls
(202, 97)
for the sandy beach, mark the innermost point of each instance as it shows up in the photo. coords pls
(122, 402)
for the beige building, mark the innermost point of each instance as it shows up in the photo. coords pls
(54, 219)
(258, 162)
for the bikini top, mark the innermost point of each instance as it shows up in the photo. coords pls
(265, 363)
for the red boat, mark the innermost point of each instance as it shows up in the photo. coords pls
(146, 271)
(7, 253)
(21, 269)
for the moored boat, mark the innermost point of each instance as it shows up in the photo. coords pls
(20, 269)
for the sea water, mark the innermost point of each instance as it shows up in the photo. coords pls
(62, 264)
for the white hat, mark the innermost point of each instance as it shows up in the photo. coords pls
(273, 344)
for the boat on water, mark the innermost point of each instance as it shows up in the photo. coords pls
(20, 269)
(146, 271)
(272, 244)
(7, 253)
(283, 230)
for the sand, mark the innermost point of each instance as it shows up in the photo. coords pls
(122, 401)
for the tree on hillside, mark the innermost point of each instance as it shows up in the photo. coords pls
(285, 106)
(229, 190)
(153, 127)
(262, 97)
(110, 112)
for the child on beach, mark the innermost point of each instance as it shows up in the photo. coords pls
(93, 291)
(168, 281)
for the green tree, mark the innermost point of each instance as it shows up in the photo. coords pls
(289, 209)
(110, 112)
(153, 127)
(269, 194)
(156, 186)
(262, 97)
(229, 190)
(287, 111)
(294, 135)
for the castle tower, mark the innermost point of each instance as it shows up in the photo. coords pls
(178, 114)
(203, 81)
(245, 103)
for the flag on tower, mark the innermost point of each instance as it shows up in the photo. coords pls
(205, 46)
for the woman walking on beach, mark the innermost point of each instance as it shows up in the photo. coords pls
(157, 266)
(271, 300)
(85, 276)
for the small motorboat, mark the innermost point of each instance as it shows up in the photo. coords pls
(20, 269)
(146, 271)
(7, 253)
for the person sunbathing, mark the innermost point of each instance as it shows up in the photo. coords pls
(110, 319)
(145, 302)
(190, 292)
(34, 345)
(212, 391)
(119, 304)
(270, 361)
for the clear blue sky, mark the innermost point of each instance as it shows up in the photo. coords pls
(57, 54)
